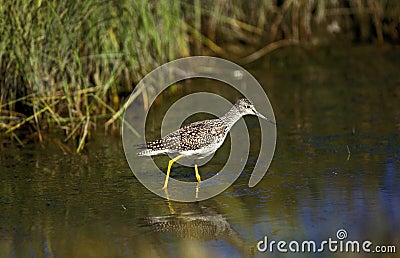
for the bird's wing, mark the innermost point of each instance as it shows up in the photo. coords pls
(196, 135)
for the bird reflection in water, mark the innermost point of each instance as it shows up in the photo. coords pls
(197, 222)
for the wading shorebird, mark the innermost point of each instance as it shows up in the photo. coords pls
(199, 139)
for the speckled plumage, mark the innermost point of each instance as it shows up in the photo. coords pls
(189, 139)
(202, 138)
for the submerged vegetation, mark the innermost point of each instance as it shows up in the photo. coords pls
(68, 64)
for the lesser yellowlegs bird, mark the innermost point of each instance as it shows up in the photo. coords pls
(199, 139)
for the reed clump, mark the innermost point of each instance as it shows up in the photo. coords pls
(68, 64)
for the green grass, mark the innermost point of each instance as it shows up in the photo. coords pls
(65, 65)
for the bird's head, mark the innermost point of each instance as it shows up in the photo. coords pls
(246, 107)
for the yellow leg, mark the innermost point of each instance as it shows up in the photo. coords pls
(197, 173)
(169, 169)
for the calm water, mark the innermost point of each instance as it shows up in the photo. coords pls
(336, 166)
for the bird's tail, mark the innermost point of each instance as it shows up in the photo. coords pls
(151, 148)
(144, 151)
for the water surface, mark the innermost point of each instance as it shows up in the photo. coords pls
(336, 166)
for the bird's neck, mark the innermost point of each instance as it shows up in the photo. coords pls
(231, 117)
